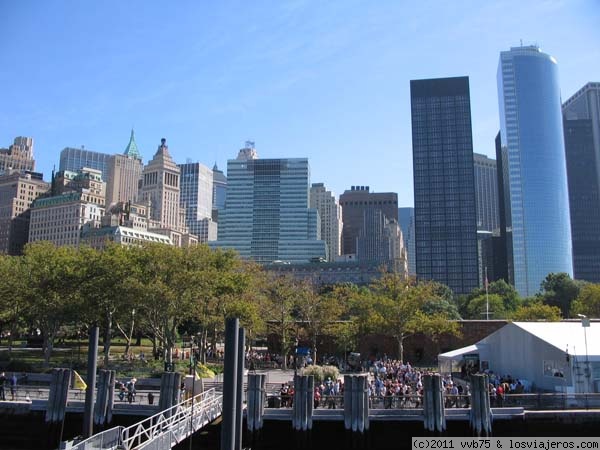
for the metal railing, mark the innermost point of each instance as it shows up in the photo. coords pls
(108, 439)
(531, 402)
(171, 426)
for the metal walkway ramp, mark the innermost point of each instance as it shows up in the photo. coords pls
(161, 431)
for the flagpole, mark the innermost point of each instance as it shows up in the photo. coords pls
(487, 297)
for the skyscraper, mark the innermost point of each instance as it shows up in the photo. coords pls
(486, 192)
(17, 191)
(330, 214)
(267, 216)
(161, 184)
(123, 174)
(219, 188)
(380, 241)
(354, 203)
(196, 199)
(19, 156)
(74, 159)
(444, 186)
(406, 219)
(581, 118)
(532, 144)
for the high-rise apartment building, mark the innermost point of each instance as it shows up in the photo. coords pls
(123, 174)
(486, 193)
(17, 191)
(74, 159)
(406, 219)
(581, 119)
(267, 216)
(197, 198)
(355, 202)
(444, 185)
(19, 156)
(330, 214)
(536, 200)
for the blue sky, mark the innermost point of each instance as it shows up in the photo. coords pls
(327, 80)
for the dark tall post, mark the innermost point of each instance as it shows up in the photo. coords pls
(241, 353)
(228, 425)
(90, 390)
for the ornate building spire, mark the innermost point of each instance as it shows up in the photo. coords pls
(132, 151)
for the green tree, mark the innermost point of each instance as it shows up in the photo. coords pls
(12, 295)
(399, 301)
(282, 295)
(588, 301)
(110, 289)
(558, 289)
(537, 311)
(51, 289)
(434, 326)
(318, 312)
(478, 307)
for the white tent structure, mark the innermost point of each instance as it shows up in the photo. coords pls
(552, 356)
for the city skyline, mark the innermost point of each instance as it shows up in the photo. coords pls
(282, 75)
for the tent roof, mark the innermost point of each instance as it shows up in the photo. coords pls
(566, 334)
(459, 352)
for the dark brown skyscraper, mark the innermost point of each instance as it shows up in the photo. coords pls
(354, 203)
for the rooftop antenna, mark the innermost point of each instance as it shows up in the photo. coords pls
(521, 42)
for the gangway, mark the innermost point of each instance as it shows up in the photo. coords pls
(161, 431)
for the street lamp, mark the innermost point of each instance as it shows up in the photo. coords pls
(295, 359)
(585, 323)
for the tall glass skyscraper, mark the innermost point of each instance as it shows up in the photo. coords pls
(532, 145)
(445, 211)
(581, 114)
(267, 216)
(196, 199)
(74, 159)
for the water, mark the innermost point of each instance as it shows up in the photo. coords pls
(30, 432)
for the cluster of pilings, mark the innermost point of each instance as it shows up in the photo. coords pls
(233, 382)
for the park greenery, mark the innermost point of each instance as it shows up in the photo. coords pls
(163, 294)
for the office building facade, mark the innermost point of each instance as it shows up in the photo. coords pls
(197, 200)
(123, 174)
(19, 156)
(406, 219)
(74, 159)
(267, 216)
(581, 119)
(330, 214)
(532, 149)
(486, 193)
(18, 190)
(444, 185)
(355, 202)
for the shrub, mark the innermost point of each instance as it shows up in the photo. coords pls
(315, 371)
(330, 372)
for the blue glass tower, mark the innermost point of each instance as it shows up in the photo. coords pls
(536, 200)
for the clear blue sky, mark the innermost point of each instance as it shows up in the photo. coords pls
(327, 80)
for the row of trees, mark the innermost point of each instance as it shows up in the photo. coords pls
(559, 297)
(161, 292)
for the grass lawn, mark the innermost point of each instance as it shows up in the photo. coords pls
(73, 354)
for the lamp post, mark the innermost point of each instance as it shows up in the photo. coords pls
(295, 359)
(585, 323)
